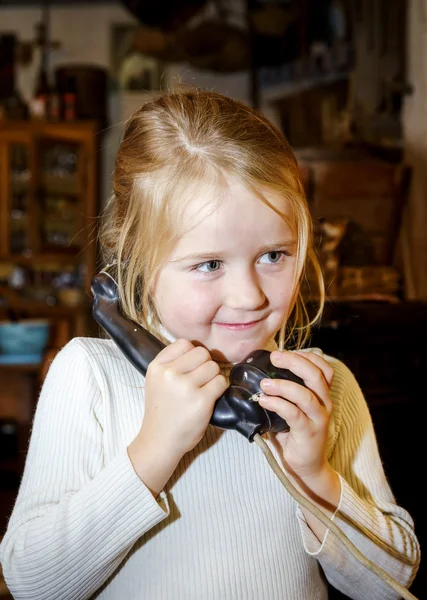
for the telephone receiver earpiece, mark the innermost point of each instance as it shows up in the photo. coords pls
(237, 408)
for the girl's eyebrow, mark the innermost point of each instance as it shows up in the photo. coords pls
(198, 256)
(206, 256)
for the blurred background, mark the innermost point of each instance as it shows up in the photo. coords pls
(345, 80)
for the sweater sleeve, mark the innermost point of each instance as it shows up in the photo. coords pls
(75, 518)
(367, 512)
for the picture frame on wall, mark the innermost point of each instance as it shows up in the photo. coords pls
(130, 69)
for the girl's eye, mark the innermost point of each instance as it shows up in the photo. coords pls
(272, 257)
(209, 266)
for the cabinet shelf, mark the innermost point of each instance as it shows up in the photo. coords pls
(62, 251)
(51, 256)
(20, 187)
(21, 368)
(56, 185)
(20, 302)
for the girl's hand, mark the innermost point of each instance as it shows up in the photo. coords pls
(181, 388)
(307, 410)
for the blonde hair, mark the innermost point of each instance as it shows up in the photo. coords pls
(170, 148)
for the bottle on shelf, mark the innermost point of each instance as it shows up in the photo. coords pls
(40, 101)
(15, 107)
(70, 100)
(54, 103)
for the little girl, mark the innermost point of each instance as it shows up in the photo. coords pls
(128, 491)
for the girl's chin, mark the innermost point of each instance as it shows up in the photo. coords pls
(225, 349)
(234, 355)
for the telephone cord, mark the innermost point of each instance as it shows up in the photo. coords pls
(328, 523)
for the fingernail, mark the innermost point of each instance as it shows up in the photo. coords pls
(266, 383)
(264, 400)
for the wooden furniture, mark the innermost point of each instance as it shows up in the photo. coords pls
(357, 191)
(352, 183)
(48, 209)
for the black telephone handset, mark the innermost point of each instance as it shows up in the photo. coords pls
(237, 408)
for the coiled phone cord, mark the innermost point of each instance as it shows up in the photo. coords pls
(326, 521)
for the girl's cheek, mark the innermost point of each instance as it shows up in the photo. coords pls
(200, 306)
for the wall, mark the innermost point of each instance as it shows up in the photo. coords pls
(83, 32)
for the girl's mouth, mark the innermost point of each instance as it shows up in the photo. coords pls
(238, 326)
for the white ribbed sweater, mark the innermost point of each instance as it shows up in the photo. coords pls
(224, 528)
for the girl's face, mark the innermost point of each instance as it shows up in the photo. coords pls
(228, 283)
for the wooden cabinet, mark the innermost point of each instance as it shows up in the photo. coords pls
(358, 201)
(48, 211)
(48, 221)
(355, 185)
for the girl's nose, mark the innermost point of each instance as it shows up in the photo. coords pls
(244, 292)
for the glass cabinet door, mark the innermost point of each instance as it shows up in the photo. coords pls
(19, 242)
(15, 198)
(59, 196)
(48, 204)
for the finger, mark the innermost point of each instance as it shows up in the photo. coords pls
(312, 375)
(204, 373)
(298, 395)
(191, 360)
(174, 351)
(294, 417)
(215, 387)
(324, 366)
